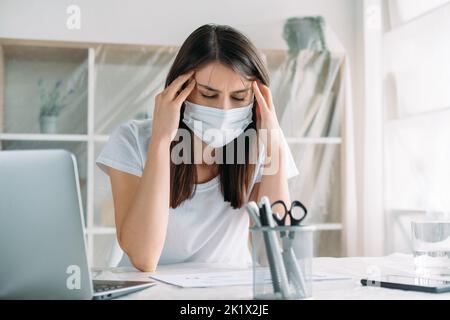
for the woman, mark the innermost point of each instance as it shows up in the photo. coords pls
(169, 211)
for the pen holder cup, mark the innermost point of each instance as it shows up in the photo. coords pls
(282, 262)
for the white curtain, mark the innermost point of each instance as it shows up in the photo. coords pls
(417, 109)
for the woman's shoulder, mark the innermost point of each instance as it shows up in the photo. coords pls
(140, 130)
(126, 147)
(137, 127)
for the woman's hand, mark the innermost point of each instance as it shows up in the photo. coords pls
(274, 181)
(267, 122)
(166, 115)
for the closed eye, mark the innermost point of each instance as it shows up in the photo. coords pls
(215, 96)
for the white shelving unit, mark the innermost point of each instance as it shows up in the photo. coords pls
(90, 138)
(13, 56)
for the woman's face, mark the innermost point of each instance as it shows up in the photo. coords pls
(219, 86)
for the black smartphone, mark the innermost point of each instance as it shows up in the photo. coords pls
(408, 283)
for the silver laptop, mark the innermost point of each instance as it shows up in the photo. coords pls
(42, 242)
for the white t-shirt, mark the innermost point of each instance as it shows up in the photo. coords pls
(202, 229)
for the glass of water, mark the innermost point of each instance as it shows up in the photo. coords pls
(431, 247)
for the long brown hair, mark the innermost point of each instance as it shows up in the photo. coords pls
(224, 44)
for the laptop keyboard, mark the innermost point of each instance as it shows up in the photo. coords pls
(101, 286)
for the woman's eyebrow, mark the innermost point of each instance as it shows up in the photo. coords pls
(215, 90)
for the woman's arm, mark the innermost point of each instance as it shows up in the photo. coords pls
(274, 185)
(274, 180)
(142, 204)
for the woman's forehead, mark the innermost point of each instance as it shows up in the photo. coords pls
(221, 77)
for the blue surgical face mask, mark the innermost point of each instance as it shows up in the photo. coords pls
(215, 126)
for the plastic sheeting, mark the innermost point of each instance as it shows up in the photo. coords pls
(127, 82)
(310, 88)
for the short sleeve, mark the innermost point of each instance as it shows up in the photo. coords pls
(289, 163)
(121, 152)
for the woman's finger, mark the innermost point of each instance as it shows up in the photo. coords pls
(185, 93)
(259, 97)
(176, 84)
(265, 91)
(258, 117)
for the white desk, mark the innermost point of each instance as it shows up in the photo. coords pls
(338, 289)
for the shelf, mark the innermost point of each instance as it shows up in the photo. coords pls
(101, 137)
(414, 116)
(105, 137)
(31, 75)
(318, 227)
(328, 226)
(101, 230)
(52, 137)
(429, 13)
(44, 54)
(43, 137)
(326, 140)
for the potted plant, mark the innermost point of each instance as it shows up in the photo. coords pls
(52, 103)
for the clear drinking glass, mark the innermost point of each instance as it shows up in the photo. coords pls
(431, 247)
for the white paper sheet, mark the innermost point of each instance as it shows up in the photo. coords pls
(230, 278)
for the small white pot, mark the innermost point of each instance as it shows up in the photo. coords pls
(48, 124)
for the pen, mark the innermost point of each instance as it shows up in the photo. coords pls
(253, 212)
(294, 271)
(276, 264)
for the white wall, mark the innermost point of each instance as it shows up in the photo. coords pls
(164, 22)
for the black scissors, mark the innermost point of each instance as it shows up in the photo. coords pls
(294, 272)
(296, 218)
